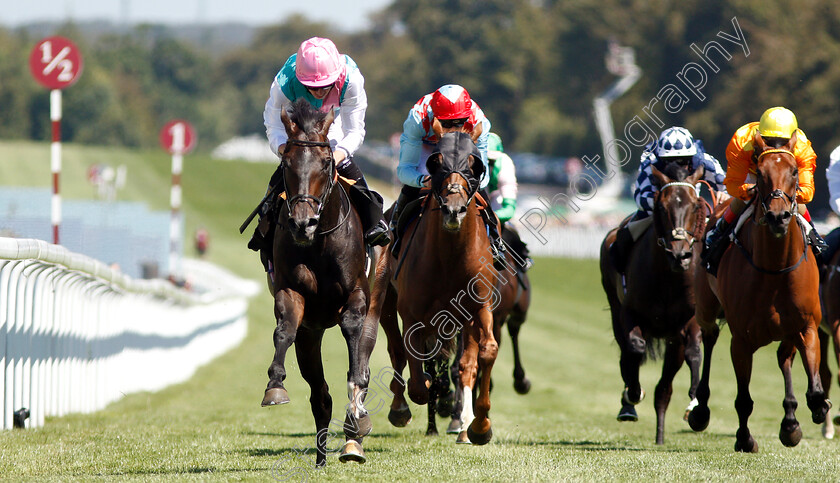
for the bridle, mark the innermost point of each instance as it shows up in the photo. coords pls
(678, 233)
(319, 201)
(454, 188)
(776, 193)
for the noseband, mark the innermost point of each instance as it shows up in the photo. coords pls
(678, 233)
(320, 202)
(776, 193)
(454, 188)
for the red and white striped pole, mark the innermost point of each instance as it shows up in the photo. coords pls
(175, 225)
(55, 160)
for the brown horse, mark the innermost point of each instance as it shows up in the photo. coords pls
(446, 285)
(830, 331)
(319, 279)
(654, 299)
(767, 285)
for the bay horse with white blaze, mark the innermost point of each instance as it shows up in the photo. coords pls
(444, 283)
(319, 279)
(654, 299)
(767, 285)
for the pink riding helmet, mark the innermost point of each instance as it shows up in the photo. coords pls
(318, 63)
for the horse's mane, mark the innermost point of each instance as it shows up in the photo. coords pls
(302, 113)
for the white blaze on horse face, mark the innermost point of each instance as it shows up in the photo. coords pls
(467, 415)
(355, 394)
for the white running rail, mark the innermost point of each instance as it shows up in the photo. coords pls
(76, 335)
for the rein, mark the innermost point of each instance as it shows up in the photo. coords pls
(789, 269)
(320, 202)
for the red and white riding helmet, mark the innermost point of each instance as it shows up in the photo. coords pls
(451, 102)
(318, 63)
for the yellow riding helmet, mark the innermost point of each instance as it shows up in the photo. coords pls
(777, 122)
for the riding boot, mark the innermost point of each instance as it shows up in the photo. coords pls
(715, 245)
(368, 204)
(515, 244)
(818, 244)
(620, 249)
(497, 247)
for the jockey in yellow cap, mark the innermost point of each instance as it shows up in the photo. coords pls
(777, 125)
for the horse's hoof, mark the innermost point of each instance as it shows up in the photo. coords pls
(352, 451)
(454, 427)
(477, 438)
(400, 418)
(625, 396)
(445, 405)
(275, 396)
(791, 438)
(627, 413)
(431, 431)
(750, 446)
(357, 428)
(522, 386)
(693, 404)
(828, 430)
(463, 438)
(698, 418)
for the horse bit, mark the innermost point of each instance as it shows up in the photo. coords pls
(320, 202)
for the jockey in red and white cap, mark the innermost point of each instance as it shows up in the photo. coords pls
(452, 106)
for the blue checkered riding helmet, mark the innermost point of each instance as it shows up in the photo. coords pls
(675, 141)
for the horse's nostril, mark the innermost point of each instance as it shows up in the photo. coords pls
(312, 222)
(463, 209)
(786, 215)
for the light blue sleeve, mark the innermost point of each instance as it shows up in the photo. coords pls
(411, 146)
(482, 148)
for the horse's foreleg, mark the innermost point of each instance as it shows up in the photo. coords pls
(455, 374)
(431, 428)
(808, 345)
(308, 350)
(692, 337)
(479, 431)
(288, 310)
(825, 375)
(520, 383)
(357, 422)
(790, 432)
(742, 360)
(415, 345)
(674, 358)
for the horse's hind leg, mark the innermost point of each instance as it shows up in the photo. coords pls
(308, 350)
(808, 345)
(520, 383)
(400, 414)
(288, 309)
(674, 358)
(692, 337)
(742, 360)
(431, 429)
(454, 374)
(790, 432)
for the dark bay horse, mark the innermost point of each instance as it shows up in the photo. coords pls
(830, 331)
(319, 279)
(444, 284)
(655, 299)
(767, 285)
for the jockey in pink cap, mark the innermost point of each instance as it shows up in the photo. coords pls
(327, 80)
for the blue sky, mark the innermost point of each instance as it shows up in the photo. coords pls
(350, 15)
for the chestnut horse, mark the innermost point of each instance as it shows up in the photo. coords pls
(445, 285)
(768, 287)
(654, 300)
(319, 279)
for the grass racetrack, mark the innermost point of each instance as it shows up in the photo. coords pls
(213, 428)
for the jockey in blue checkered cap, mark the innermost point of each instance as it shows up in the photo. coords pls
(675, 149)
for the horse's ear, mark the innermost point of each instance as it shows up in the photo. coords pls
(696, 175)
(291, 128)
(659, 178)
(477, 130)
(324, 126)
(437, 128)
(792, 143)
(758, 142)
